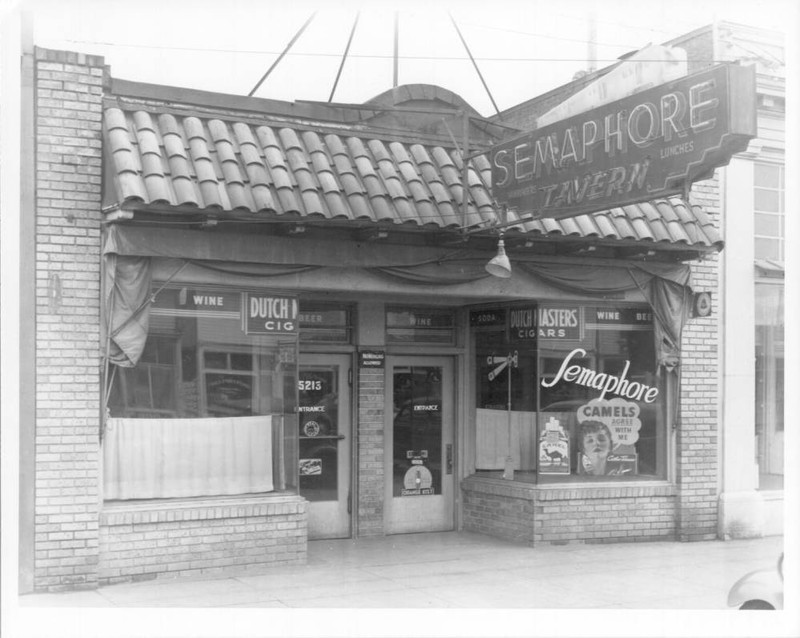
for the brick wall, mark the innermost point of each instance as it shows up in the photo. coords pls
(68, 90)
(699, 47)
(523, 116)
(533, 515)
(498, 508)
(157, 541)
(371, 383)
(698, 430)
(605, 515)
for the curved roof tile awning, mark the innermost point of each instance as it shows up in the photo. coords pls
(207, 164)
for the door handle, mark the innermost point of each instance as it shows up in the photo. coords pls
(449, 457)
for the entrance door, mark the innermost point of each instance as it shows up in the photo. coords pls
(325, 434)
(419, 444)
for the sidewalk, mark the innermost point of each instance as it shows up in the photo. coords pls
(461, 570)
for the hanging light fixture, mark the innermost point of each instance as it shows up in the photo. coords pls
(499, 265)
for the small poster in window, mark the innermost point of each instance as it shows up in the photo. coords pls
(609, 428)
(616, 464)
(229, 394)
(553, 448)
(310, 467)
(418, 480)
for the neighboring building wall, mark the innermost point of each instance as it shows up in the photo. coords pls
(741, 508)
(68, 97)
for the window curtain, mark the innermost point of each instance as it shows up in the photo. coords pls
(126, 291)
(169, 458)
(492, 445)
(665, 286)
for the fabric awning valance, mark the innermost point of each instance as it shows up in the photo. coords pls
(128, 253)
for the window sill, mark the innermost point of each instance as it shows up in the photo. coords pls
(201, 508)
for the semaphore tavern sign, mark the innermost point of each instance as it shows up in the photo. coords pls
(647, 145)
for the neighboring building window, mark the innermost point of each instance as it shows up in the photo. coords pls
(769, 211)
(209, 409)
(148, 390)
(548, 418)
(769, 427)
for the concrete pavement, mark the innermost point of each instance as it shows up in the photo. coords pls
(460, 570)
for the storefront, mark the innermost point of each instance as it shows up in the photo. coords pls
(371, 373)
(390, 395)
(299, 340)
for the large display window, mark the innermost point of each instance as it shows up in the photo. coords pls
(568, 393)
(209, 409)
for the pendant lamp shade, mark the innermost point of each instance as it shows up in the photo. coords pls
(500, 266)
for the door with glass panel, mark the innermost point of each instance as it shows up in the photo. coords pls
(324, 411)
(418, 450)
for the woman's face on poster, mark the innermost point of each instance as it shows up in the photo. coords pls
(597, 444)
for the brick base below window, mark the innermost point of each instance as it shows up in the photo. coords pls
(199, 537)
(587, 514)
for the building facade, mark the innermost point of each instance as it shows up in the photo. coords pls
(746, 200)
(259, 323)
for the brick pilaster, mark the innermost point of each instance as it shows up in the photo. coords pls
(68, 98)
(698, 431)
(371, 384)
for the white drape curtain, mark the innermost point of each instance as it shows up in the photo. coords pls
(167, 458)
(492, 439)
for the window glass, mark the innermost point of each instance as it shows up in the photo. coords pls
(420, 325)
(325, 323)
(560, 424)
(769, 248)
(216, 388)
(768, 224)
(319, 432)
(500, 365)
(417, 431)
(768, 175)
(768, 202)
(611, 428)
(769, 372)
(150, 387)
